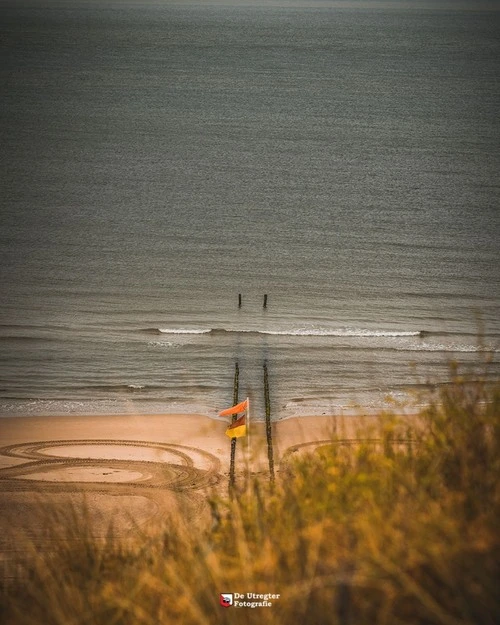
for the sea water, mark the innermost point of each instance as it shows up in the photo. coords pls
(159, 159)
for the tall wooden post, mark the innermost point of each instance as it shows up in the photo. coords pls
(233, 418)
(269, 434)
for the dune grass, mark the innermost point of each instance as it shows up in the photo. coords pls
(400, 527)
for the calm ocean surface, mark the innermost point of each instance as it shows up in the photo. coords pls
(157, 160)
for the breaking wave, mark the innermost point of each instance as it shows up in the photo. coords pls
(339, 332)
(130, 388)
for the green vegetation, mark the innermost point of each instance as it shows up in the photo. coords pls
(398, 528)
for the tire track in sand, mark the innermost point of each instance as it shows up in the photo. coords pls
(179, 475)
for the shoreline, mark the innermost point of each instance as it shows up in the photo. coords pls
(351, 411)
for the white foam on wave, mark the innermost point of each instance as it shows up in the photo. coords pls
(184, 330)
(338, 332)
(452, 347)
(342, 332)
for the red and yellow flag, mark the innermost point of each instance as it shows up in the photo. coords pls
(241, 407)
(237, 428)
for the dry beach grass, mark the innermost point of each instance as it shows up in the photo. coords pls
(385, 520)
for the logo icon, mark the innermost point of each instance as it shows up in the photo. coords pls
(226, 599)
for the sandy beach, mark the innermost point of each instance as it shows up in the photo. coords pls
(129, 470)
(150, 437)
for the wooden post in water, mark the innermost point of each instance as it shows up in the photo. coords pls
(269, 434)
(265, 301)
(239, 300)
(233, 418)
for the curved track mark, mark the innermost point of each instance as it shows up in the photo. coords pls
(170, 475)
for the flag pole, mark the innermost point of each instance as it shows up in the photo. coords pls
(248, 428)
(248, 419)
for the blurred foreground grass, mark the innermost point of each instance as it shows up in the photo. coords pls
(399, 527)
